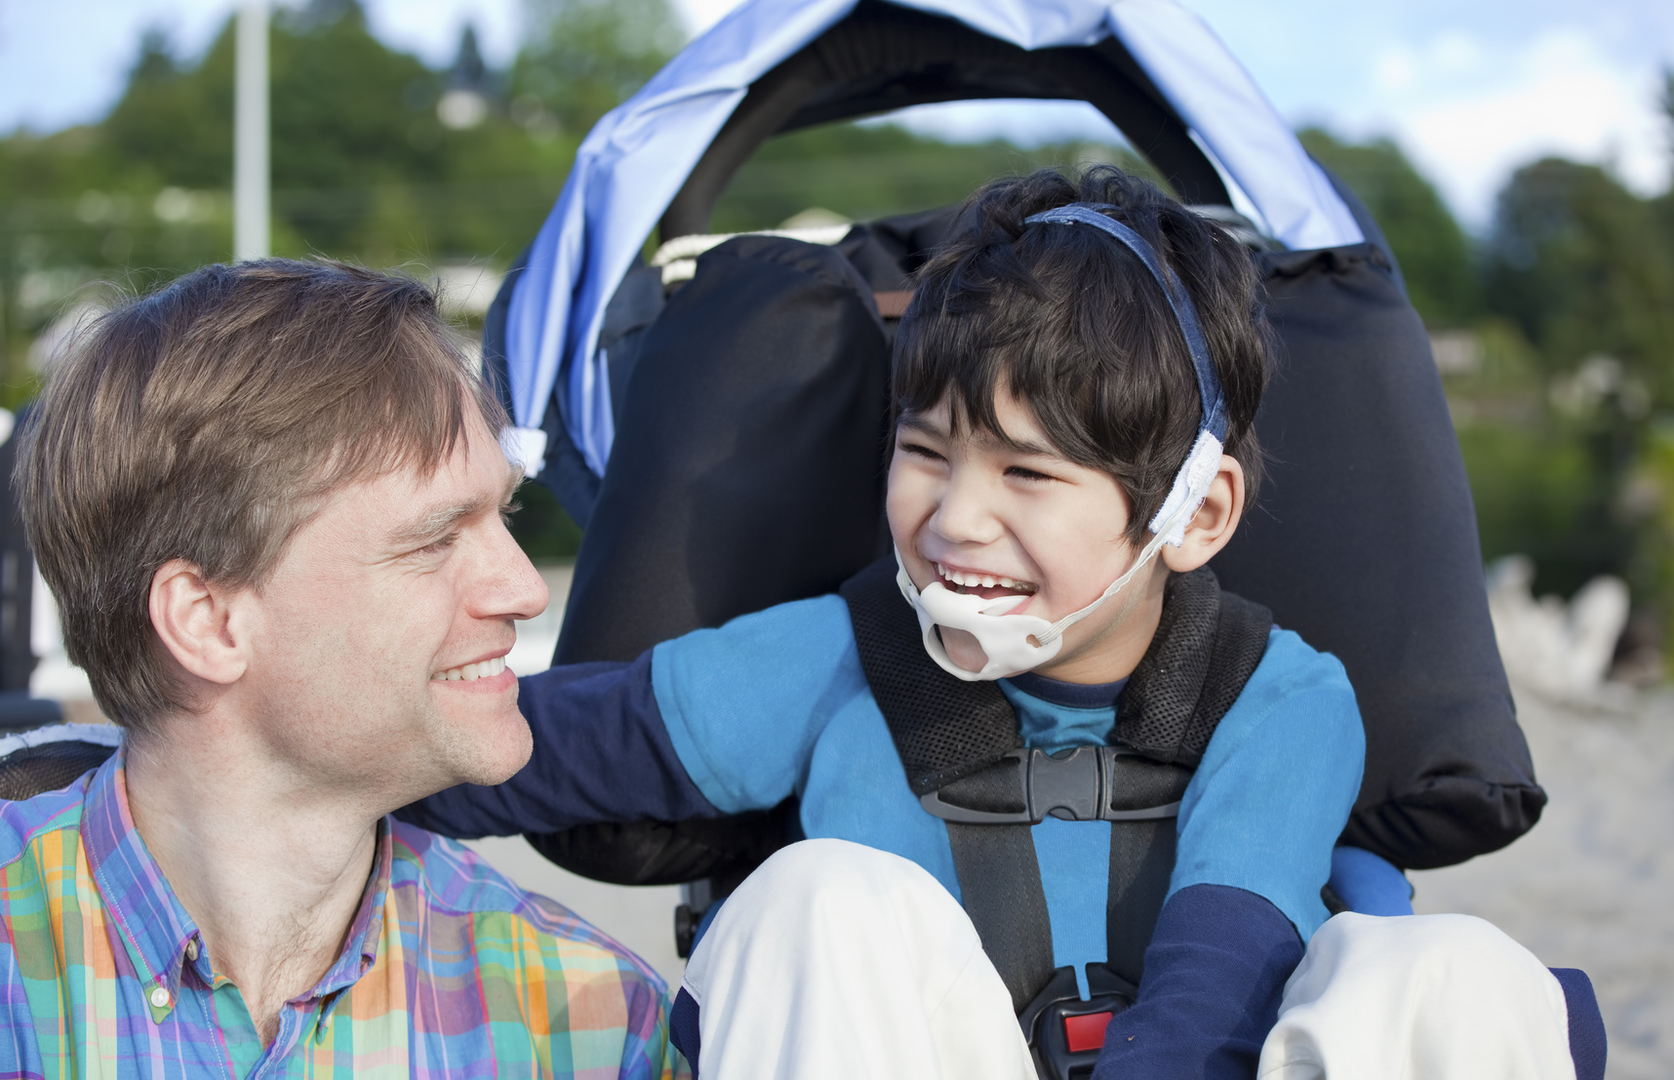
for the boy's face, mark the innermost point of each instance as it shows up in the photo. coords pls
(988, 519)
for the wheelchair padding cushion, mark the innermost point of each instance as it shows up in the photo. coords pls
(747, 471)
(1364, 542)
(747, 468)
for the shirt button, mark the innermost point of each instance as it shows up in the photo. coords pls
(192, 950)
(160, 998)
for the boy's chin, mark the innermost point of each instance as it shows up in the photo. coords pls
(963, 648)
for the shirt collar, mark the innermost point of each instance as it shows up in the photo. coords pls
(159, 937)
(1067, 694)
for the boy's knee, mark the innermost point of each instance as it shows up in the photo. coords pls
(833, 882)
(1458, 945)
(1448, 994)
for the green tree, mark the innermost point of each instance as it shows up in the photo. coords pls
(1434, 253)
(585, 57)
(1578, 263)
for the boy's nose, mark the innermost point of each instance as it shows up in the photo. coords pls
(965, 514)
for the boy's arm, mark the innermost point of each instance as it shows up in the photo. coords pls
(602, 753)
(1214, 974)
(716, 721)
(1257, 829)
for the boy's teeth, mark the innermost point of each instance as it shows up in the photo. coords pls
(971, 581)
(487, 669)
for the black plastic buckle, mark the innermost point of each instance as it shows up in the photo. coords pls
(1074, 785)
(1065, 1033)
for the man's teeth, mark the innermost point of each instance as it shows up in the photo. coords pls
(987, 581)
(472, 672)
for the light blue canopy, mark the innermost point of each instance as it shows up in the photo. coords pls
(634, 161)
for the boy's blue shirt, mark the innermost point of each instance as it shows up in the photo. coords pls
(776, 703)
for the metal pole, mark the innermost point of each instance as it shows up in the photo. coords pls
(250, 135)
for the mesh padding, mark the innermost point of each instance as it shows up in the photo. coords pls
(1208, 643)
(48, 767)
(943, 727)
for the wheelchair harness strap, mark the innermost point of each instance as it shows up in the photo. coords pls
(960, 744)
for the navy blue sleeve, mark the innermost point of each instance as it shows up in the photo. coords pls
(1214, 974)
(1587, 1043)
(601, 753)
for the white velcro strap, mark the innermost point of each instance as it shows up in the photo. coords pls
(1191, 486)
(525, 447)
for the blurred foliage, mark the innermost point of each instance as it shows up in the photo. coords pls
(867, 171)
(584, 57)
(1580, 264)
(1433, 251)
(541, 526)
(1563, 314)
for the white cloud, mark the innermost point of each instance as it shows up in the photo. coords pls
(1559, 95)
(1395, 69)
(700, 15)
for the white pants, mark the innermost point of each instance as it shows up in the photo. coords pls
(837, 960)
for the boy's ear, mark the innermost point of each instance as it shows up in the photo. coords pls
(197, 623)
(1215, 522)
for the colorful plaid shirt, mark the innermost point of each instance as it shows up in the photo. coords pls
(448, 969)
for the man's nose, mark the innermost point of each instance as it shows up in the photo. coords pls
(965, 511)
(510, 587)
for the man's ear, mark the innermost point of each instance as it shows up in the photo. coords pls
(195, 622)
(1214, 523)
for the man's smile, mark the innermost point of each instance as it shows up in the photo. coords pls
(483, 669)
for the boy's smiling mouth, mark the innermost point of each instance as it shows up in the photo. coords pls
(987, 586)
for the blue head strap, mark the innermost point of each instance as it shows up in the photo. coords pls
(1208, 384)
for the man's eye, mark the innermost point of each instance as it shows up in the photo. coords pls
(437, 547)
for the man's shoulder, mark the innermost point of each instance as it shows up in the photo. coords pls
(26, 822)
(451, 879)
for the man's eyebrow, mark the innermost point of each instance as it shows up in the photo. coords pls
(438, 520)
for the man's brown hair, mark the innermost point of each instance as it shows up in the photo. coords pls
(208, 422)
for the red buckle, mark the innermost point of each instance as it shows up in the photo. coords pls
(1086, 1032)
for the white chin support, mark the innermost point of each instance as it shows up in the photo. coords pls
(1014, 644)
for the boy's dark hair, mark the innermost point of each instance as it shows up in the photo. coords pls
(1070, 322)
(209, 422)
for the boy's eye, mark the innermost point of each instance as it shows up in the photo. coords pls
(920, 450)
(1020, 473)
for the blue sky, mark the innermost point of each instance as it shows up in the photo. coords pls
(1470, 90)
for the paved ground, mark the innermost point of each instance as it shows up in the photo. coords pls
(1592, 886)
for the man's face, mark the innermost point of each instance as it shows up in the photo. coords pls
(985, 518)
(378, 647)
